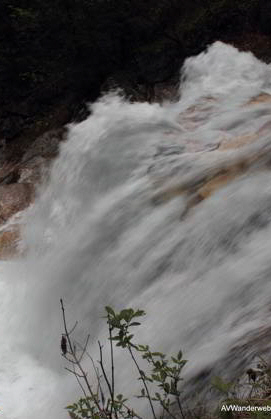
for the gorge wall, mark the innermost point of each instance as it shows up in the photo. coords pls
(55, 55)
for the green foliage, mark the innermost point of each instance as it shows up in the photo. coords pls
(165, 374)
(250, 391)
(160, 376)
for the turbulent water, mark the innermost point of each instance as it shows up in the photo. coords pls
(96, 236)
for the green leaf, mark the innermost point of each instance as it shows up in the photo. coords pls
(142, 348)
(158, 354)
(173, 389)
(158, 396)
(110, 311)
(163, 375)
(124, 314)
(180, 355)
(139, 313)
(167, 388)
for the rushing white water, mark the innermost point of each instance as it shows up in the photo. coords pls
(95, 237)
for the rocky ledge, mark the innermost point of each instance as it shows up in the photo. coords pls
(18, 179)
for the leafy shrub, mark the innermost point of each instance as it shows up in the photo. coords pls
(160, 377)
(160, 386)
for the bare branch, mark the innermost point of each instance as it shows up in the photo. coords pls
(84, 349)
(74, 372)
(81, 386)
(76, 323)
(112, 370)
(77, 362)
(143, 380)
(103, 370)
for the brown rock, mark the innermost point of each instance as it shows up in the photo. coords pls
(243, 140)
(216, 183)
(192, 117)
(8, 173)
(203, 186)
(34, 171)
(46, 146)
(9, 244)
(238, 142)
(14, 198)
(262, 98)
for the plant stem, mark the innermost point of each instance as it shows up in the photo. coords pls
(180, 407)
(76, 361)
(144, 381)
(167, 410)
(107, 382)
(112, 371)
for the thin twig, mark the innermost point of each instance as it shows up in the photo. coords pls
(96, 370)
(112, 371)
(143, 380)
(180, 407)
(68, 359)
(73, 328)
(80, 384)
(76, 361)
(84, 349)
(107, 382)
(168, 411)
(74, 372)
(102, 367)
(131, 410)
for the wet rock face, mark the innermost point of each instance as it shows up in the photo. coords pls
(33, 171)
(14, 198)
(9, 241)
(45, 146)
(34, 162)
(18, 179)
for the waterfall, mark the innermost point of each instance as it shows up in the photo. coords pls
(117, 223)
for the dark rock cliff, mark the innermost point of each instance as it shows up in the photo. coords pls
(55, 55)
